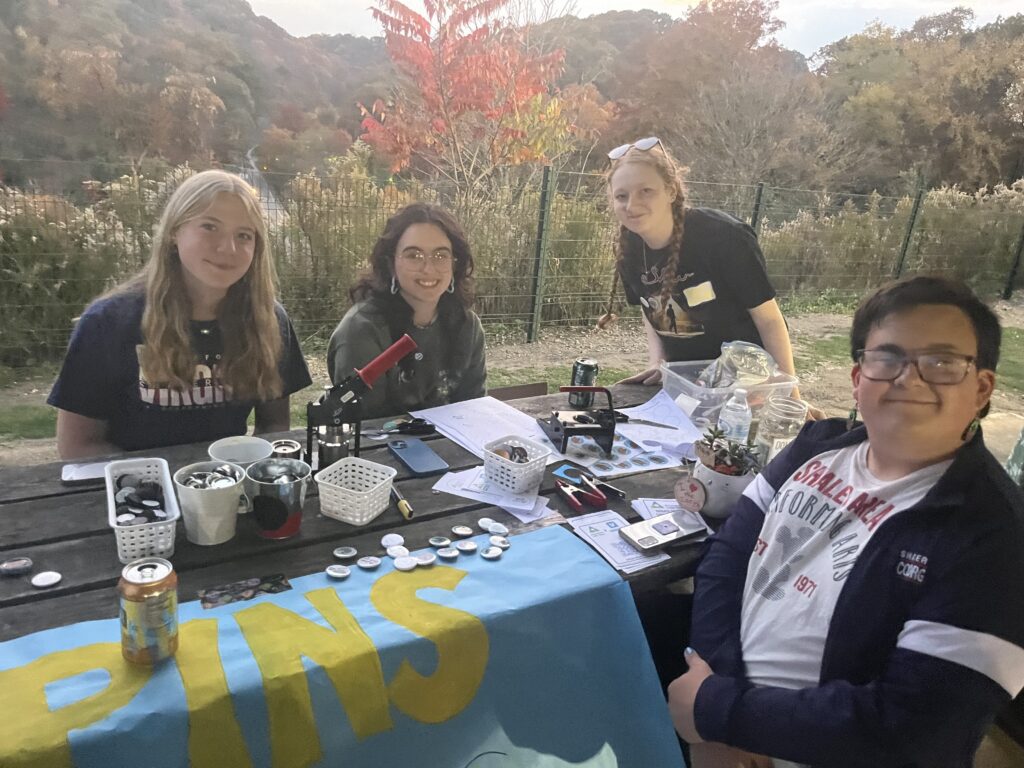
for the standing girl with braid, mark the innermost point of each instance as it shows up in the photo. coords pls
(698, 273)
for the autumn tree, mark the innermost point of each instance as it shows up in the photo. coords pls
(473, 95)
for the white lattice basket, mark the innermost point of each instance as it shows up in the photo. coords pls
(515, 477)
(147, 539)
(355, 490)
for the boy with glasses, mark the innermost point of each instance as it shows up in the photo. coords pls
(863, 604)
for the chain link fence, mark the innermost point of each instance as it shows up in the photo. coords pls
(542, 242)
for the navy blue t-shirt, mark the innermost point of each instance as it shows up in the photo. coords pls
(100, 379)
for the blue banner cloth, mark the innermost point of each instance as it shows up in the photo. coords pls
(535, 659)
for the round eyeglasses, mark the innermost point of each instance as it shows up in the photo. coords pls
(416, 257)
(932, 367)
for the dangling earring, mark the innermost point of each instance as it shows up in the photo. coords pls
(971, 430)
(451, 286)
(851, 418)
(394, 285)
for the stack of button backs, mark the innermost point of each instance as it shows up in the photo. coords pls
(514, 453)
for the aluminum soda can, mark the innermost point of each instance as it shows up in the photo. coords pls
(584, 374)
(148, 592)
(287, 449)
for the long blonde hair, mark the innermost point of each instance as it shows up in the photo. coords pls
(658, 158)
(248, 321)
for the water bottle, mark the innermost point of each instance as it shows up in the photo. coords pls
(734, 419)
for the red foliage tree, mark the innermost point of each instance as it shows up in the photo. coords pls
(470, 84)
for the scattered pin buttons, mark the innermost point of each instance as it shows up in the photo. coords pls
(46, 579)
(498, 529)
(462, 531)
(466, 546)
(491, 553)
(426, 558)
(392, 540)
(345, 553)
(16, 566)
(448, 553)
(397, 551)
(500, 542)
(485, 523)
(405, 563)
(338, 571)
(368, 563)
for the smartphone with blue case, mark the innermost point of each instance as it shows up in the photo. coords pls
(417, 456)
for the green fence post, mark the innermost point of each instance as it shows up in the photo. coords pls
(1014, 267)
(909, 235)
(755, 216)
(536, 299)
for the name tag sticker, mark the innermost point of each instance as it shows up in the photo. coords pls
(699, 294)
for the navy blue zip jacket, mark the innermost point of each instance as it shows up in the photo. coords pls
(916, 665)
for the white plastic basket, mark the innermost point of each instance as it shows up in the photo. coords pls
(147, 539)
(517, 478)
(355, 490)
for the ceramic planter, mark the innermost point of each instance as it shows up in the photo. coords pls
(723, 490)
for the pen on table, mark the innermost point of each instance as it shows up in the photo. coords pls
(402, 503)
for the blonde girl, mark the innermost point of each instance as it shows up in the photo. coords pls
(186, 349)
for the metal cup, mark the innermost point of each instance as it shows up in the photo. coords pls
(280, 494)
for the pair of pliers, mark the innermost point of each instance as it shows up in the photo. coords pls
(575, 495)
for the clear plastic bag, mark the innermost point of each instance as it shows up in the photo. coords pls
(740, 364)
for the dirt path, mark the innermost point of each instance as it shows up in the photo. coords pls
(826, 384)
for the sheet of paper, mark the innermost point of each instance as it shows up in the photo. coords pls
(601, 531)
(472, 484)
(648, 508)
(474, 423)
(660, 408)
(540, 511)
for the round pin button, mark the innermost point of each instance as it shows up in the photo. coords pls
(490, 553)
(440, 541)
(462, 531)
(466, 546)
(485, 523)
(448, 553)
(45, 579)
(500, 542)
(16, 566)
(405, 563)
(345, 553)
(397, 551)
(124, 519)
(392, 540)
(368, 563)
(338, 571)
(426, 558)
(498, 529)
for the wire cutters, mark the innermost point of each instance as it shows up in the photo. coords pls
(575, 495)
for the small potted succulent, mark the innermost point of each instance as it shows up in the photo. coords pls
(725, 468)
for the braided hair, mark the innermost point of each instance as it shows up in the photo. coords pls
(658, 158)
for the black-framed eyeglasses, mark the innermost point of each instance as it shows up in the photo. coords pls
(932, 367)
(642, 144)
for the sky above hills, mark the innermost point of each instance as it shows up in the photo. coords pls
(810, 24)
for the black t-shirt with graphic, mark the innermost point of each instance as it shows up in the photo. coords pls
(720, 276)
(100, 379)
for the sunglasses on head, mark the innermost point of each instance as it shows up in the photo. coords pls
(642, 144)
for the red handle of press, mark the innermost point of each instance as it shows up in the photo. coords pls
(386, 360)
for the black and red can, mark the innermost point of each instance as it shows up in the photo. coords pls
(584, 374)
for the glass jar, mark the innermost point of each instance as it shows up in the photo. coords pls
(781, 420)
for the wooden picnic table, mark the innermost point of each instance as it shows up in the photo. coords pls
(64, 528)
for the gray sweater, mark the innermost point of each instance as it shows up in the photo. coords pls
(363, 334)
